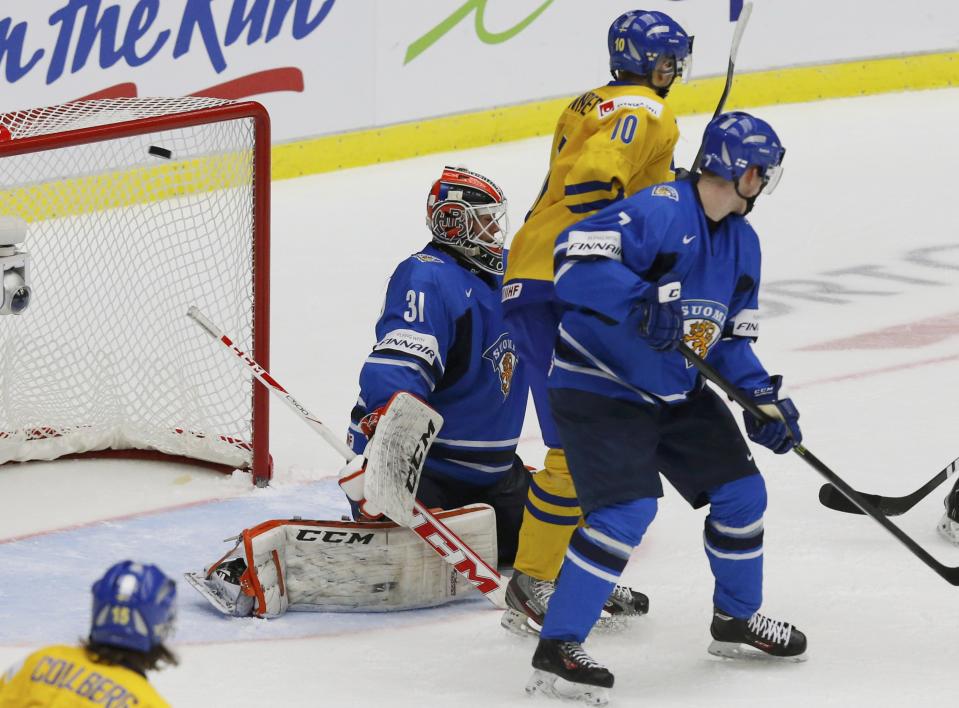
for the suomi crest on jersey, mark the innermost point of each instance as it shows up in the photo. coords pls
(665, 190)
(502, 355)
(703, 322)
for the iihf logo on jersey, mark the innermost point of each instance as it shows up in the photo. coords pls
(502, 355)
(703, 321)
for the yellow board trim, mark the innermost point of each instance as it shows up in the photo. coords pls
(92, 193)
(471, 130)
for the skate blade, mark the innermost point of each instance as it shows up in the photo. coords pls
(735, 650)
(517, 623)
(949, 530)
(608, 623)
(552, 686)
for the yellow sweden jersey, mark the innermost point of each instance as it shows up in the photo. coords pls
(609, 143)
(65, 677)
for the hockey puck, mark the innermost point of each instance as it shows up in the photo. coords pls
(160, 152)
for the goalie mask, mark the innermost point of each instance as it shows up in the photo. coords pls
(467, 213)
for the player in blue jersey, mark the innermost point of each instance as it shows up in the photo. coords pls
(676, 262)
(441, 337)
(609, 142)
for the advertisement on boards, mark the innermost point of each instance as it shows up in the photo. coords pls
(329, 66)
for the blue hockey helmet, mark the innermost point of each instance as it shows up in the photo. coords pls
(133, 607)
(638, 38)
(735, 141)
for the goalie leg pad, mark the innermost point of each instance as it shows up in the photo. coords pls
(345, 566)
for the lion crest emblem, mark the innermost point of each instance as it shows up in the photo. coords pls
(502, 356)
(704, 322)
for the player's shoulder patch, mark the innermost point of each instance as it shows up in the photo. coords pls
(427, 258)
(665, 190)
(511, 291)
(650, 105)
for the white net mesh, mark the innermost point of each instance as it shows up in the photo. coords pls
(125, 234)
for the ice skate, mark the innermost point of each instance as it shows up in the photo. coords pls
(528, 598)
(223, 589)
(626, 602)
(756, 637)
(948, 526)
(564, 670)
(526, 601)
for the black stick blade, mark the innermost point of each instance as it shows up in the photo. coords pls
(832, 498)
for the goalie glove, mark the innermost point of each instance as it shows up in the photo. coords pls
(782, 433)
(352, 482)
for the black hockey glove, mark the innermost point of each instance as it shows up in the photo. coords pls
(783, 433)
(661, 323)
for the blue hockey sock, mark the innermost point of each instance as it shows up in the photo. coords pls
(733, 539)
(595, 559)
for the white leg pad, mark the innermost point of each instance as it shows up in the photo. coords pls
(347, 566)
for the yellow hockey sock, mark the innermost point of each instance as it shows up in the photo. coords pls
(552, 514)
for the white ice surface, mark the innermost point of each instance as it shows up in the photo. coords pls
(867, 182)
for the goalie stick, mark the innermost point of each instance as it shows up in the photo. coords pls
(424, 524)
(950, 574)
(890, 506)
(730, 70)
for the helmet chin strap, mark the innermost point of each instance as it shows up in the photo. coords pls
(750, 201)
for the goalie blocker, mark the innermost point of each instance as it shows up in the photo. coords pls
(340, 566)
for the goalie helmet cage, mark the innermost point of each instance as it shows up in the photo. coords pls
(136, 209)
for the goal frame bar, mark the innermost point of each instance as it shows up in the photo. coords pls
(261, 462)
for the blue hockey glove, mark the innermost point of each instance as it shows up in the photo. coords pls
(661, 323)
(779, 435)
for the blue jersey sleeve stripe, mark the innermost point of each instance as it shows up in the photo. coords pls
(436, 368)
(586, 187)
(407, 364)
(554, 519)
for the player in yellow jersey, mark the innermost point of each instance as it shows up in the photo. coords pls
(133, 612)
(609, 143)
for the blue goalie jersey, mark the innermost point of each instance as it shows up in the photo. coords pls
(441, 337)
(607, 265)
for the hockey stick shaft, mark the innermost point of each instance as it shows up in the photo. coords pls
(741, 23)
(950, 574)
(434, 532)
(890, 506)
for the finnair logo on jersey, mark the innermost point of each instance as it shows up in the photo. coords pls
(408, 341)
(703, 321)
(614, 104)
(590, 244)
(745, 324)
(502, 355)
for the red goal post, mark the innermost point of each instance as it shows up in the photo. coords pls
(136, 209)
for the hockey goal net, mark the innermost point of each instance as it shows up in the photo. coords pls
(136, 209)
